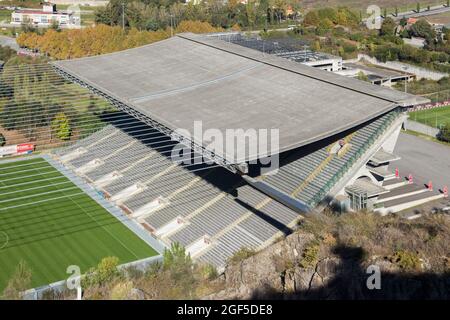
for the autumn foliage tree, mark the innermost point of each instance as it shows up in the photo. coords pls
(101, 39)
(196, 27)
(76, 43)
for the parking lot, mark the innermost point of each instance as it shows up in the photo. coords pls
(425, 160)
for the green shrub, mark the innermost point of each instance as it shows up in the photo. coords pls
(208, 272)
(406, 260)
(241, 255)
(310, 255)
(105, 272)
(444, 133)
(176, 261)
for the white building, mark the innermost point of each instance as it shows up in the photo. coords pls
(46, 17)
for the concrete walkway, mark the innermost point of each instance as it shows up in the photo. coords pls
(9, 42)
(426, 160)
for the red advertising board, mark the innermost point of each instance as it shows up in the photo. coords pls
(25, 147)
(17, 149)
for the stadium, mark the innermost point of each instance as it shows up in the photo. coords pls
(116, 189)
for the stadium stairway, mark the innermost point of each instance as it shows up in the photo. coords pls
(310, 178)
(404, 195)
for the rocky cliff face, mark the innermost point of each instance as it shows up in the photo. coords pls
(266, 272)
(279, 272)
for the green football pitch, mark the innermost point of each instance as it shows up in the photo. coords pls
(436, 117)
(50, 223)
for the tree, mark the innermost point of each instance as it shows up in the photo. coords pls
(446, 32)
(2, 140)
(423, 29)
(388, 27)
(403, 22)
(105, 272)
(112, 13)
(55, 25)
(176, 261)
(444, 133)
(76, 43)
(61, 126)
(122, 291)
(9, 117)
(196, 27)
(6, 53)
(27, 26)
(362, 76)
(327, 13)
(311, 19)
(404, 33)
(19, 282)
(324, 26)
(341, 18)
(316, 45)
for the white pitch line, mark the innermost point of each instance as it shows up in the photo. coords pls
(31, 175)
(34, 188)
(40, 201)
(31, 182)
(38, 194)
(20, 165)
(16, 172)
(101, 226)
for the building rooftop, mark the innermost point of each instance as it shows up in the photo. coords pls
(362, 186)
(381, 72)
(35, 11)
(295, 50)
(191, 77)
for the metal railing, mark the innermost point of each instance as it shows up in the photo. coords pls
(358, 154)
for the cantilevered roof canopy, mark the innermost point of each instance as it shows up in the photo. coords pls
(191, 78)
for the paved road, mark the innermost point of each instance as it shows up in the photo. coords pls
(426, 160)
(8, 41)
(413, 14)
(423, 12)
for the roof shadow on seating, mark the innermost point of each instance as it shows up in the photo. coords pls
(274, 222)
(294, 155)
(164, 145)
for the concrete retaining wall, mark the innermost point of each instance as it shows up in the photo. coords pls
(401, 67)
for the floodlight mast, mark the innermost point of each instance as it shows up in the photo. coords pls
(123, 15)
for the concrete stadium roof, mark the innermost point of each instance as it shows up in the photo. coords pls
(191, 77)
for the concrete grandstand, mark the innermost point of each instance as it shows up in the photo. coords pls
(337, 137)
